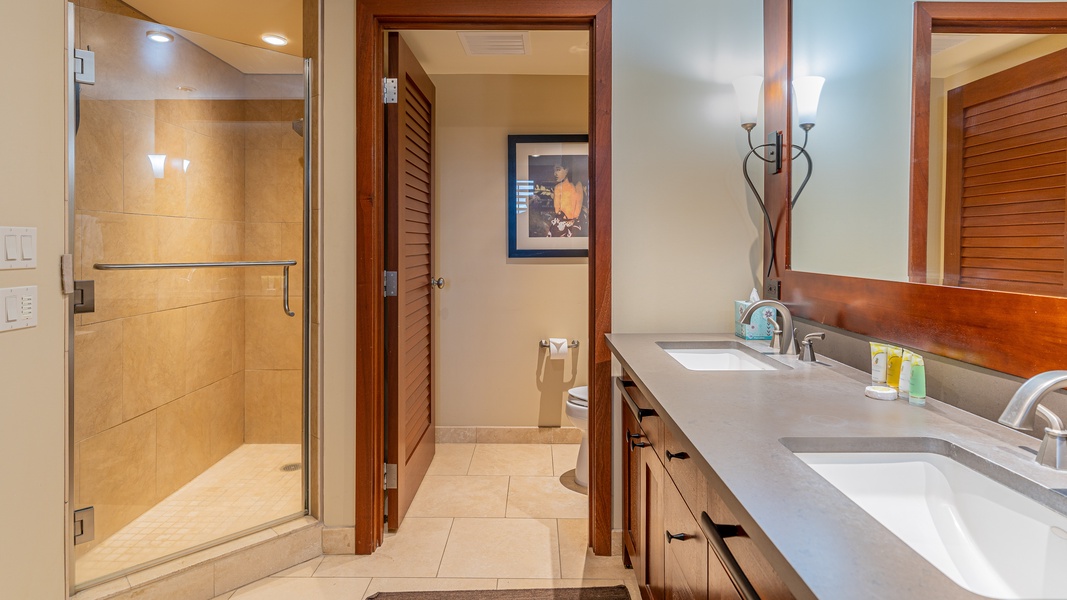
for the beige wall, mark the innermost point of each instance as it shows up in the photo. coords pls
(33, 409)
(488, 368)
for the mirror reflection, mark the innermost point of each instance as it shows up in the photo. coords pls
(998, 144)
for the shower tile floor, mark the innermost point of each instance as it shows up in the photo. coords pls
(245, 489)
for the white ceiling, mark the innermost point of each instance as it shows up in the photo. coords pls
(552, 53)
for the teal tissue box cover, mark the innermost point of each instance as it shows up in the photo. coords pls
(759, 328)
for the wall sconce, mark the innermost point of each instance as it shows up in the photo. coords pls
(806, 91)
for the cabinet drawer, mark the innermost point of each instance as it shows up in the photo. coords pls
(642, 410)
(686, 549)
(760, 574)
(677, 459)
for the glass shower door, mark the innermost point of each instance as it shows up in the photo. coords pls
(189, 218)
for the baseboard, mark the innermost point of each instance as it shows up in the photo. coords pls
(338, 540)
(508, 435)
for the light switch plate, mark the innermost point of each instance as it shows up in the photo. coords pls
(25, 300)
(20, 248)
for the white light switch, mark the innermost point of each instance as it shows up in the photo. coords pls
(11, 304)
(20, 308)
(20, 247)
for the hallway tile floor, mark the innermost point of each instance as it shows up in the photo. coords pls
(488, 516)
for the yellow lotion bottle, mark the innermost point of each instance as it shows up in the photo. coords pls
(892, 372)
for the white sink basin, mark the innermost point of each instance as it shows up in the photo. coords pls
(719, 356)
(985, 536)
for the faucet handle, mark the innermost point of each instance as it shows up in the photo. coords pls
(807, 346)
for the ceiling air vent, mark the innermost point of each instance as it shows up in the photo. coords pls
(495, 43)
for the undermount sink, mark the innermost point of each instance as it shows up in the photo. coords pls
(719, 356)
(988, 529)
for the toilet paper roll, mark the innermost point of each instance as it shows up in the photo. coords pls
(557, 348)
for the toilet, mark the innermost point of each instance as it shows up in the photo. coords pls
(578, 413)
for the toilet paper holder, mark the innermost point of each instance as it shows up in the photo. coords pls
(545, 344)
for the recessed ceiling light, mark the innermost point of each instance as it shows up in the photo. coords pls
(159, 36)
(274, 39)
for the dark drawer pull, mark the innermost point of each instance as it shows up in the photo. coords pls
(638, 412)
(634, 445)
(634, 436)
(678, 455)
(681, 537)
(715, 534)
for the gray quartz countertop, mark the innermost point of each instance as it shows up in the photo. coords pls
(823, 545)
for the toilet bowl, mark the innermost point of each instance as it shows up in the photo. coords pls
(578, 413)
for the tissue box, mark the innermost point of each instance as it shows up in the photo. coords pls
(759, 328)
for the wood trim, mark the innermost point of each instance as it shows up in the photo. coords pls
(920, 146)
(372, 18)
(778, 116)
(953, 187)
(1005, 331)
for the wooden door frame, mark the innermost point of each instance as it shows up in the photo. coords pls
(373, 17)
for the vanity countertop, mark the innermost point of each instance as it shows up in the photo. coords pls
(822, 544)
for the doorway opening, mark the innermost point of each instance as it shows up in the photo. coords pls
(374, 17)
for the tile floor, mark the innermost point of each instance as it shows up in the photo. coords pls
(245, 489)
(488, 516)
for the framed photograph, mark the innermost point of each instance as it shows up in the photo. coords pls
(548, 196)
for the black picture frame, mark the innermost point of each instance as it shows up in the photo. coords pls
(540, 225)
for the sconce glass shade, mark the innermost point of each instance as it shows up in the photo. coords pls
(748, 90)
(806, 90)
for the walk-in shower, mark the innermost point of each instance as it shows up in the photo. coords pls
(189, 236)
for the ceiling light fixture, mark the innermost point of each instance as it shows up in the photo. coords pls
(161, 37)
(274, 39)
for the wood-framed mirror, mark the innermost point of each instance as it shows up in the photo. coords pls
(1017, 333)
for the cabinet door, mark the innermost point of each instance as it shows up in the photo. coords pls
(685, 551)
(765, 581)
(653, 540)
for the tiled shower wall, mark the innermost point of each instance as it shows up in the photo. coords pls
(177, 368)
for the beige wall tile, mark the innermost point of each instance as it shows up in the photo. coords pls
(227, 415)
(273, 407)
(232, 572)
(208, 343)
(98, 152)
(456, 435)
(263, 241)
(143, 192)
(183, 441)
(154, 361)
(117, 473)
(272, 339)
(237, 342)
(97, 378)
(211, 181)
(274, 173)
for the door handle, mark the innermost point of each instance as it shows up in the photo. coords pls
(437, 283)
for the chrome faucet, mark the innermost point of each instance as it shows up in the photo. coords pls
(788, 344)
(1025, 405)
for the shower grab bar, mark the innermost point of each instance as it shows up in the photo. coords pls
(285, 264)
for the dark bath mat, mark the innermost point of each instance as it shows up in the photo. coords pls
(590, 593)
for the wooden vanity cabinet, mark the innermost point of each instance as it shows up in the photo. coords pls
(665, 497)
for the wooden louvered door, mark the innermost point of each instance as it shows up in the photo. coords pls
(1006, 181)
(409, 408)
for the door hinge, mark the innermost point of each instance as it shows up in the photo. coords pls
(389, 90)
(390, 476)
(84, 296)
(84, 67)
(84, 525)
(390, 283)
